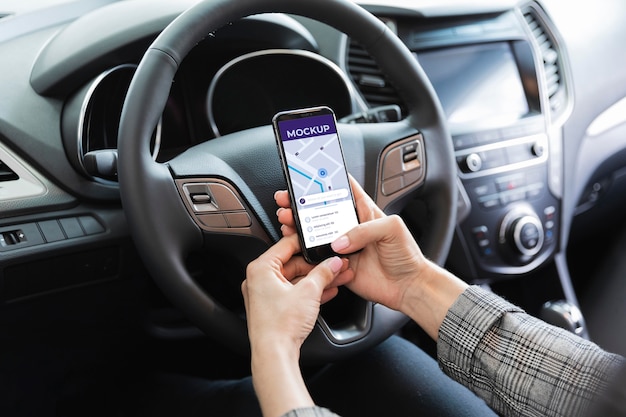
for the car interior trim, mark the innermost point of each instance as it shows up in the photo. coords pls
(26, 185)
(608, 119)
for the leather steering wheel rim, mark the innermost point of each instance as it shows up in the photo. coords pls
(163, 230)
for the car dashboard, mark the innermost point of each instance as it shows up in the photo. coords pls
(534, 109)
(501, 76)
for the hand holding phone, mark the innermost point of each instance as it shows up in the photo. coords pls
(316, 175)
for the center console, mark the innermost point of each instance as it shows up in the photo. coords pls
(508, 217)
(502, 80)
(488, 79)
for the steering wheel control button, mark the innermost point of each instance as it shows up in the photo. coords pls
(201, 199)
(411, 157)
(212, 197)
(393, 185)
(402, 166)
(224, 198)
(216, 206)
(213, 220)
(392, 165)
(412, 177)
(238, 219)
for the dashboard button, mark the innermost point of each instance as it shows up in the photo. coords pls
(486, 137)
(481, 237)
(464, 141)
(493, 158)
(71, 227)
(518, 153)
(490, 202)
(534, 190)
(472, 163)
(91, 226)
(538, 149)
(481, 190)
(529, 236)
(51, 231)
(525, 233)
(512, 196)
(510, 182)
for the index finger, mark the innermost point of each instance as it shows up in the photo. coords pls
(366, 208)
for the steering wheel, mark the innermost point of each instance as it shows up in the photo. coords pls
(217, 197)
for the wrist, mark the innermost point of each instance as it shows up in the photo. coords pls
(277, 378)
(269, 347)
(430, 295)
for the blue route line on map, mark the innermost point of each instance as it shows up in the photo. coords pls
(306, 176)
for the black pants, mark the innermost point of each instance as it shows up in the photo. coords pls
(394, 379)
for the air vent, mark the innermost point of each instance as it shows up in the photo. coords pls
(553, 69)
(369, 79)
(6, 173)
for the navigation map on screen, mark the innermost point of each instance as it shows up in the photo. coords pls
(319, 182)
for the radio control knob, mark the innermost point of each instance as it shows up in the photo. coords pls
(526, 234)
(472, 163)
(538, 149)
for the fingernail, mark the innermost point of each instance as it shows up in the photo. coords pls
(335, 263)
(341, 243)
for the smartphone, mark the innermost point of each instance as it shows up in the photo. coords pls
(316, 175)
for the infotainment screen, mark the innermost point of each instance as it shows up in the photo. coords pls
(479, 85)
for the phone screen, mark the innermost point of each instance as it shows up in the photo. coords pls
(317, 178)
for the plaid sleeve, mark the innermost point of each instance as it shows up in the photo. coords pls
(310, 412)
(518, 364)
